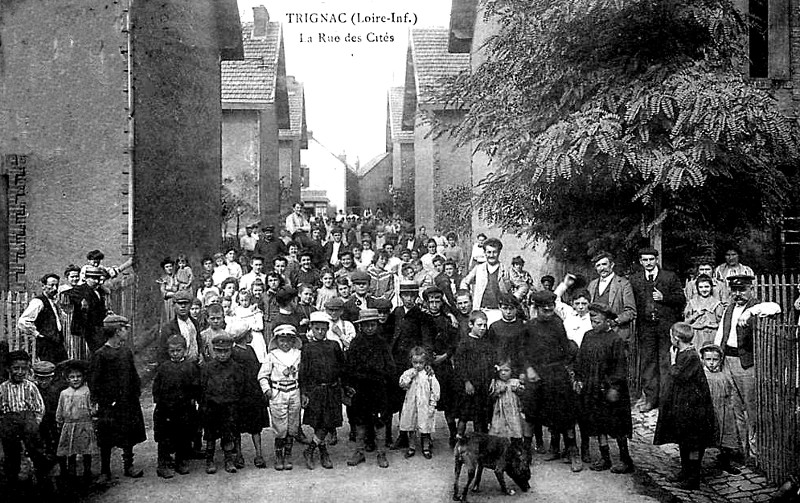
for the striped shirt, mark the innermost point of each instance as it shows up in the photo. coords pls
(22, 397)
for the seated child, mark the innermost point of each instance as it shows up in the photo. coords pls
(176, 390)
(419, 407)
(686, 416)
(278, 380)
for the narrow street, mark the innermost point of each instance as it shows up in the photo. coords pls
(406, 480)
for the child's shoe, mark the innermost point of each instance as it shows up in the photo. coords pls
(230, 465)
(324, 457)
(382, 461)
(211, 467)
(259, 462)
(426, 446)
(287, 454)
(182, 467)
(308, 454)
(410, 452)
(164, 471)
(279, 443)
(604, 463)
(356, 458)
(238, 462)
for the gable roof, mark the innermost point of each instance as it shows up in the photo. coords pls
(297, 113)
(254, 80)
(395, 116)
(432, 62)
(366, 168)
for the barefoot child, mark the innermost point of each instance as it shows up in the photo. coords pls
(419, 406)
(74, 417)
(320, 373)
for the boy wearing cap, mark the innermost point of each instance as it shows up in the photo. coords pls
(278, 378)
(251, 414)
(222, 382)
(340, 330)
(21, 413)
(176, 390)
(116, 389)
(216, 324)
(360, 299)
(319, 377)
(50, 389)
(89, 309)
(369, 370)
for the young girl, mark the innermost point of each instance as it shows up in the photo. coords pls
(250, 315)
(521, 280)
(703, 312)
(74, 417)
(169, 285)
(474, 365)
(183, 273)
(327, 291)
(506, 416)
(727, 404)
(221, 271)
(208, 289)
(367, 254)
(229, 288)
(419, 406)
(251, 413)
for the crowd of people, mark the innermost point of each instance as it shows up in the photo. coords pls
(368, 321)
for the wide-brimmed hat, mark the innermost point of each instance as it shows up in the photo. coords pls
(409, 287)
(367, 315)
(319, 317)
(44, 369)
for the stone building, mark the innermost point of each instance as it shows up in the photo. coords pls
(375, 182)
(291, 141)
(399, 141)
(110, 123)
(255, 103)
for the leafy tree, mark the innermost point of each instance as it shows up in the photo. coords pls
(454, 211)
(403, 200)
(608, 121)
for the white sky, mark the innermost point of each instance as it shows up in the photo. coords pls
(346, 82)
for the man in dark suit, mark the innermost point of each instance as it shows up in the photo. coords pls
(269, 247)
(615, 292)
(89, 309)
(334, 249)
(183, 325)
(448, 281)
(659, 304)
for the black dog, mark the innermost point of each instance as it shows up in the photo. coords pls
(480, 451)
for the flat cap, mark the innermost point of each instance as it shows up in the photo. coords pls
(359, 276)
(335, 303)
(44, 369)
(543, 298)
(285, 294)
(382, 304)
(648, 251)
(367, 315)
(599, 307)
(115, 321)
(740, 281)
(182, 296)
(223, 341)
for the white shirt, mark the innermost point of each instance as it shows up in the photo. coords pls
(248, 242)
(246, 283)
(347, 330)
(189, 332)
(26, 320)
(335, 253)
(732, 338)
(651, 275)
(603, 283)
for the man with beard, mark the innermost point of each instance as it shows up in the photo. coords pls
(615, 292)
(43, 320)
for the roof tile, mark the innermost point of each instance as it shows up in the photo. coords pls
(432, 61)
(253, 80)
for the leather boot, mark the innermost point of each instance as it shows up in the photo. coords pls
(604, 463)
(127, 464)
(287, 453)
(625, 464)
(279, 443)
(555, 447)
(724, 460)
(230, 460)
(211, 467)
(575, 458)
(324, 457)
(401, 442)
(163, 470)
(308, 454)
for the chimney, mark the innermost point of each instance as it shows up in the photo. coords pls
(260, 21)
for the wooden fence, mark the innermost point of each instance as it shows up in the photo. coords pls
(120, 300)
(777, 372)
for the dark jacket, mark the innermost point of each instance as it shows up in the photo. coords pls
(87, 317)
(170, 329)
(744, 335)
(670, 309)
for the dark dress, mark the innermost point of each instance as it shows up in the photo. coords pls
(48, 428)
(474, 361)
(223, 386)
(176, 389)
(369, 370)
(116, 389)
(444, 338)
(251, 413)
(603, 366)
(686, 415)
(551, 402)
(321, 367)
(507, 337)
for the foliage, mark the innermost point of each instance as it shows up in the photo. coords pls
(632, 110)
(454, 211)
(403, 200)
(239, 198)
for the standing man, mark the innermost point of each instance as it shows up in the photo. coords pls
(248, 242)
(183, 325)
(615, 292)
(490, 278)
(659, 304)
(43, 319)
(735, 337)
(334, 249)
(296, 221)
(89, 309)
(256, 272)
(269, 247)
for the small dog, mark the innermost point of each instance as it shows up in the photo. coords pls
(480, 451)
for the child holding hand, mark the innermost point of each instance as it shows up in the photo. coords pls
(419, 406)
(686, 416)
(507, 412)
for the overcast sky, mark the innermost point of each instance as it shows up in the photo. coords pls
(346, 82)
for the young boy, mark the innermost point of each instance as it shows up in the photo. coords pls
(176, 390)
(341, 331)
(216, 323)
(251, 412)
(21, 412)
(50, 389)
(370, 369)
(686, 416)
(474, 362)
(116, 389)
(319, 376)
(278, 380)
(222, 382)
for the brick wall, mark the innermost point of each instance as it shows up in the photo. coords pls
(64, 112)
